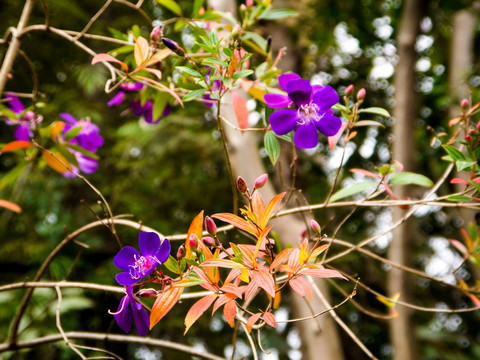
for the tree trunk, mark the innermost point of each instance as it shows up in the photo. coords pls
(402, 329)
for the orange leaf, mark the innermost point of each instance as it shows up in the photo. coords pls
(10, 206)
(236, 221)
(454, 121)
(269, 319)
(229, 312)
(232, 289)
(198, 309)
(164, 303)
(281, 257)
(195, 228)
(250, 289)
(318, 270)
(301, 287)
(261, 242)
(265, 281)
(108, 58)
(366, 173)
(14, 145)
(155, 72)
(223, 263)
(350, 137)
(240, 109)
(258, 206)
(318, 251)
(141, 50)
(293, 260)
(272, 205)
(332, 140)
(474, 299)
(56, 161)
(252, 320)
(57, 128)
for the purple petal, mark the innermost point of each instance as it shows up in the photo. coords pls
(328, 124)
(148, 113)
(86, 164)
(283, 121)
(124, 317)
(149, 243)
(132, 86)
(125, 257)
(286, 78)
(117, 99)
(164, 251)
(299, 91)
(137, 108)
(276, 101)
(325, 98)
(68, 118)
(306, 136)
(125, 279)
(23, 132)
(15, 104)
(142, 320)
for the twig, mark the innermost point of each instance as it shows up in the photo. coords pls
(250, 340)
(93, 19)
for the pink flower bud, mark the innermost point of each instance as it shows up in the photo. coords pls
(315, 226)
(181, 252)
(208, 241)
(146, 293)
(241, 185)
(468, 138)
(471, 131)
(243, 7)
(210, 226)
(361, 95)
(249, 3)
(464, 103)
(193, 242)
(261, 180)
(156, 34)
(349, 90)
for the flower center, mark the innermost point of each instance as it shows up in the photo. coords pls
(307, 112)
(141, 265)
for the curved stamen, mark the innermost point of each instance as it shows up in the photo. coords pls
(122, 307)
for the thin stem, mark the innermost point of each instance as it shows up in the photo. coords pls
(93, 19)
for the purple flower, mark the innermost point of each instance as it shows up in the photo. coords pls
(136, 264)
(125, 314)
(309, 110)
(25, 121)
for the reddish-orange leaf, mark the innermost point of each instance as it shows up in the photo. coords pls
(232, 289)
(198, 309)
(57, 128)
(240, 109)
(332, 140)
(459, 181)
(164, 303)
(280, 258)
(301, 287)
(250, 289)
(141, 50)
(229, 312)
(265, 281)
(460, 247)
(318, 251)
(236, 221)
(252, 320)
(232, 275)
(293, 261)
(272, 205)
(258, 206)
(10, 206)
(108, 58)
(261, 242)
(468, 240)
(222, 300)
(277, 298)
(223, 263)
(454, 121)
(56, 161)
(14, 145)
(318, 270)
(366, 173)
(155, 72)
(474, 299)
(247, 253)
(269, 319)
(350, 137)
(195, 228)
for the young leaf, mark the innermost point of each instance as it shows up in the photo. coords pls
(252, 320)
(194, 95)
(164, 303)
(240, 109)
(172, 6)
(376, 111)
(242, 73)
(172, 264)
(278, 14)
(454, 153)
(141, 50)
(56, 161)
(189, 71)
(198, 309)
(229, 312)
(407, 178)
(195, 228)
(235, 221)
(10, 206)
(269, 319)
(458, 198)
(272, 146)
(352, 190)
(15, 145)
(108, 58)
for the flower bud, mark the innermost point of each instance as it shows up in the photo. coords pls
(208, 241)
(315, 226)
(349, 90)
(193, 242)
(464, 103)
(261, 180)
(269, 44)
(210, 226)
(241, 185)
(249, 3)
(146, 293)
(361, 95)
(236, 32)
(468, 138)
(172, 45)
(243, 8)
(471, 131)
(181, 252)
(156, 34)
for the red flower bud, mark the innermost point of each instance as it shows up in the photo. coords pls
(315, 226)
(261, 180)
(361, 95)
(208, 241)
(464, 103)
(349, 90)
(156, 34)
(468, 138)
(471, 131)
(210, 226)
(193, 242)
(241, 185)
(181, 252)
(147, 293)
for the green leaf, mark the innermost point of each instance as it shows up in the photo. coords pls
(215, 61)
(457, 198)
(83, 151)
(278, 14)
(172, 265)
(464, 165)
(196, 7)
(475, 185)
(352, 190)
(72, 133)
(407, 178)
(454, 153)
(368, 123)
(242, 73)
(272, 146)
(228, 52)
(257, 39)
(376, 111)
(193, 95)
(189, 71)
(13, 174)
(172, 6)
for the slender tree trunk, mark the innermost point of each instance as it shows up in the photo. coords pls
(402, 329)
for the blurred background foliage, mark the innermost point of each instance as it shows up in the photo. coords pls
(166, 174)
